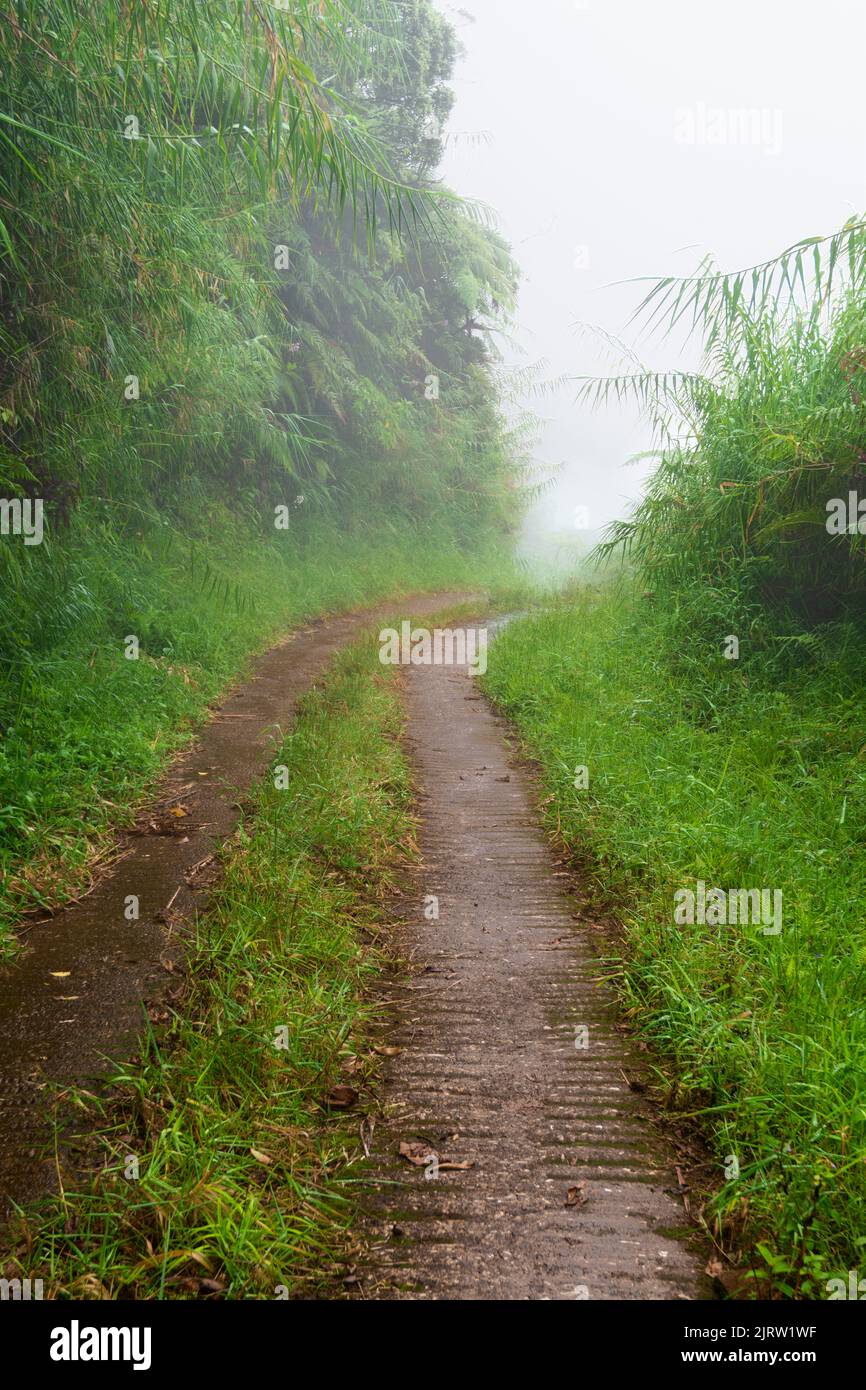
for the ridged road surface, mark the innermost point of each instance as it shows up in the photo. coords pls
(492, 1070)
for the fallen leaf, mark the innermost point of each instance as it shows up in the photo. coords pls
(262, 1157)
(387, 1051)
(576, 1196)
(211, 1286)
(60, 974)
(179, 811)
(419, 1155)
(341, 1098)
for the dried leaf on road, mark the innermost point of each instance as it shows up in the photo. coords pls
(421, 1155)
(418, 1154)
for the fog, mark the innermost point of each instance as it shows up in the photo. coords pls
(617, 140)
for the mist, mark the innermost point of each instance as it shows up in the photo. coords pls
(616, 141)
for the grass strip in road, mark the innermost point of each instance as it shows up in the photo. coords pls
(223, 1160)
(85, 733)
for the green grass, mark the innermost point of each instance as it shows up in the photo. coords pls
(245, 1178)
(239, 312)
(730, 772)
(84, 732)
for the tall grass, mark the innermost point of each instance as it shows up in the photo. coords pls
(705, 769)
(226, 277)
(715, 696)
(754, 446)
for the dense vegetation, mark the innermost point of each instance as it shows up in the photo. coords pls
(734, 527)
(248, 368)
(738, 764)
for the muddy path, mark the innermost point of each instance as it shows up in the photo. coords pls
(76, 998)
(572, 1194)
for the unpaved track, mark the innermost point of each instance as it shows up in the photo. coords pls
(76, 997)
(490, 1072)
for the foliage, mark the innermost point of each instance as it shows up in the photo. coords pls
(225, 278)
(756, 446)
(706, 769)
(744, 771)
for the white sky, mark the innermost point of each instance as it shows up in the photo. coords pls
(581, 99)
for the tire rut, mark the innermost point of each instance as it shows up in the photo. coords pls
(490, 1071)
(75, 1001)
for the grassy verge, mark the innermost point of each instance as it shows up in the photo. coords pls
(84, 732)
(740, 774)
(243, 1176)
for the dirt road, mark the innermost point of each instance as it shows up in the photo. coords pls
(77, 997)
(571, 1195)
(549, 1180)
